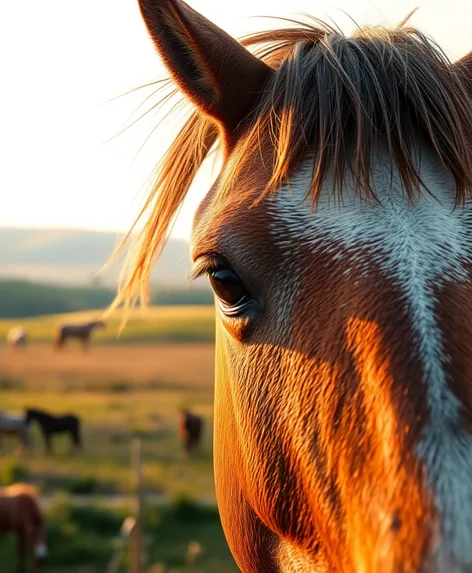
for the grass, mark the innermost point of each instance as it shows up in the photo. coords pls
(156, 324)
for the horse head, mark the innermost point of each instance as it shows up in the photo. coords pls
(29, 414)
(338, 242)
(36, 532)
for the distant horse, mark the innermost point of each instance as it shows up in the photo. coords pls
(190, 429)
(17, 337)
(21, 515)
(82, 332)
(52, 424)
(337, 239)
(16, 425)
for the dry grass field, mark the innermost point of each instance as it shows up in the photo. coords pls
(143, 365)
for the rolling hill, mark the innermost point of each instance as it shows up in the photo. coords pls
(73, 257)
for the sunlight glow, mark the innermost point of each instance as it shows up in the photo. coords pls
(64, 63)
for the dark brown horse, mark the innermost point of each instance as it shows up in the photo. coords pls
(20, 514)
(190, 430)
(338, 241)
(53, 424)
(82, 332)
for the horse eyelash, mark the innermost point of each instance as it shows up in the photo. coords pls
(209, 264)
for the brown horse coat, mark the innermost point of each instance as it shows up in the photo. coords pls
(20, 514)
(190, 429)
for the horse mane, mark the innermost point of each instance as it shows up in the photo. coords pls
(36, 412)
(20, 489)
(44, 415)
(332, 99)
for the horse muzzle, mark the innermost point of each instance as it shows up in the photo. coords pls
(40, 552)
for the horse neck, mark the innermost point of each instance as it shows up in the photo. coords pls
(37, 415)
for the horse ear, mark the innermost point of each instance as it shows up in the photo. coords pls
(464, 68)
(215, 71)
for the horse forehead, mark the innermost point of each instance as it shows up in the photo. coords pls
(225, 225)
(395, 232)
(429, 226)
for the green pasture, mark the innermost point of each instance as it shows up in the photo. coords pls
(155, 324)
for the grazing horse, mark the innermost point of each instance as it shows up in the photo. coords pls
(338, 241)
(190, 430)
(82, 332)
(53, 424)
(17, 337)
(15, 425)
(20, 514)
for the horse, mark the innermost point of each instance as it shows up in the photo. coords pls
(21, 514)
(53, 424)
(17, 337)
(16, 425)
(337, 238)
(83, 332)
(190, 430)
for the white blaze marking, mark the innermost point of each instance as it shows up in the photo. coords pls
(419, 246)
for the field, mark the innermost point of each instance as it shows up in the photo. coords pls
(156, 324)
(132, 388)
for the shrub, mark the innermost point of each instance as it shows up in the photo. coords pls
(184, 508)
(83, 485)
(98, 520)
(13, 471)
(11, 384)
(121, 387)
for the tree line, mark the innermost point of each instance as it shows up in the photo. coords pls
(21, 299)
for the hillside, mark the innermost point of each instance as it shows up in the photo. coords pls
(72, 257)
(19, 298)
(169, 324)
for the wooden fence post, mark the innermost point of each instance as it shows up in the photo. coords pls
(136, 545)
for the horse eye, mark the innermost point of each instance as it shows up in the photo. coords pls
(228, 287)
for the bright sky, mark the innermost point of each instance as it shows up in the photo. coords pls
(61, 62)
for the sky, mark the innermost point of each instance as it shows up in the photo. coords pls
(63, 64)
